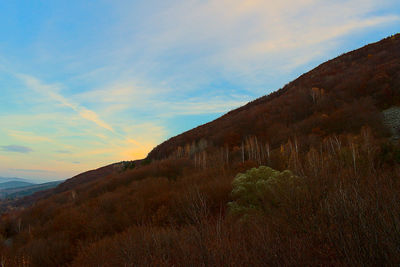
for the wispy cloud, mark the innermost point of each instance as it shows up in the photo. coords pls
(31, 170)
(248, 42)
(198, 106)
(16, 148)
(63, 151)
(52, 91)
(116, 99)
(28, 136)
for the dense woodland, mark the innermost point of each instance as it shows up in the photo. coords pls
(174, 208)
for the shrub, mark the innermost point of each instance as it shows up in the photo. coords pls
(261, 190)
(128, 165)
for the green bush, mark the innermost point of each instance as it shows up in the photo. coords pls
(261, 190)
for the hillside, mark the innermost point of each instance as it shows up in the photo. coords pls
(338, 96)
(327, 139)
(24, 198)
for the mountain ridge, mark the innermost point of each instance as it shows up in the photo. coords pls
(13, 184)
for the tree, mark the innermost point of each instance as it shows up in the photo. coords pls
(261, 190)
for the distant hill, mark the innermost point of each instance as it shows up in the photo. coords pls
(14, 184)
(22, 189)
(15, 179)
(69, 184)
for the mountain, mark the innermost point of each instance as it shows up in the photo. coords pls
(46, 190)
(338, 96)
(330, 195)
(20, 189)
(13, 189)
(14, 184)
(11, 179)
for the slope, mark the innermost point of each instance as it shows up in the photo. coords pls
(47, 190)
(340, 95)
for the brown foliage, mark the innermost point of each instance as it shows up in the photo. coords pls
(171, 213)
(346, 90)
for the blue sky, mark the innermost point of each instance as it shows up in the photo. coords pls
(88, 83)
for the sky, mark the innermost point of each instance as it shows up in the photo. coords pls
(88, 83)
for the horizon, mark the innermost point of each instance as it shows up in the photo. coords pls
(86, 85)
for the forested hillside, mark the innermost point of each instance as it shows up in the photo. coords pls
(329, 196)
(338, 96)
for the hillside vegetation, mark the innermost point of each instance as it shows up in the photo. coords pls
(305, 176)
(338, 96)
